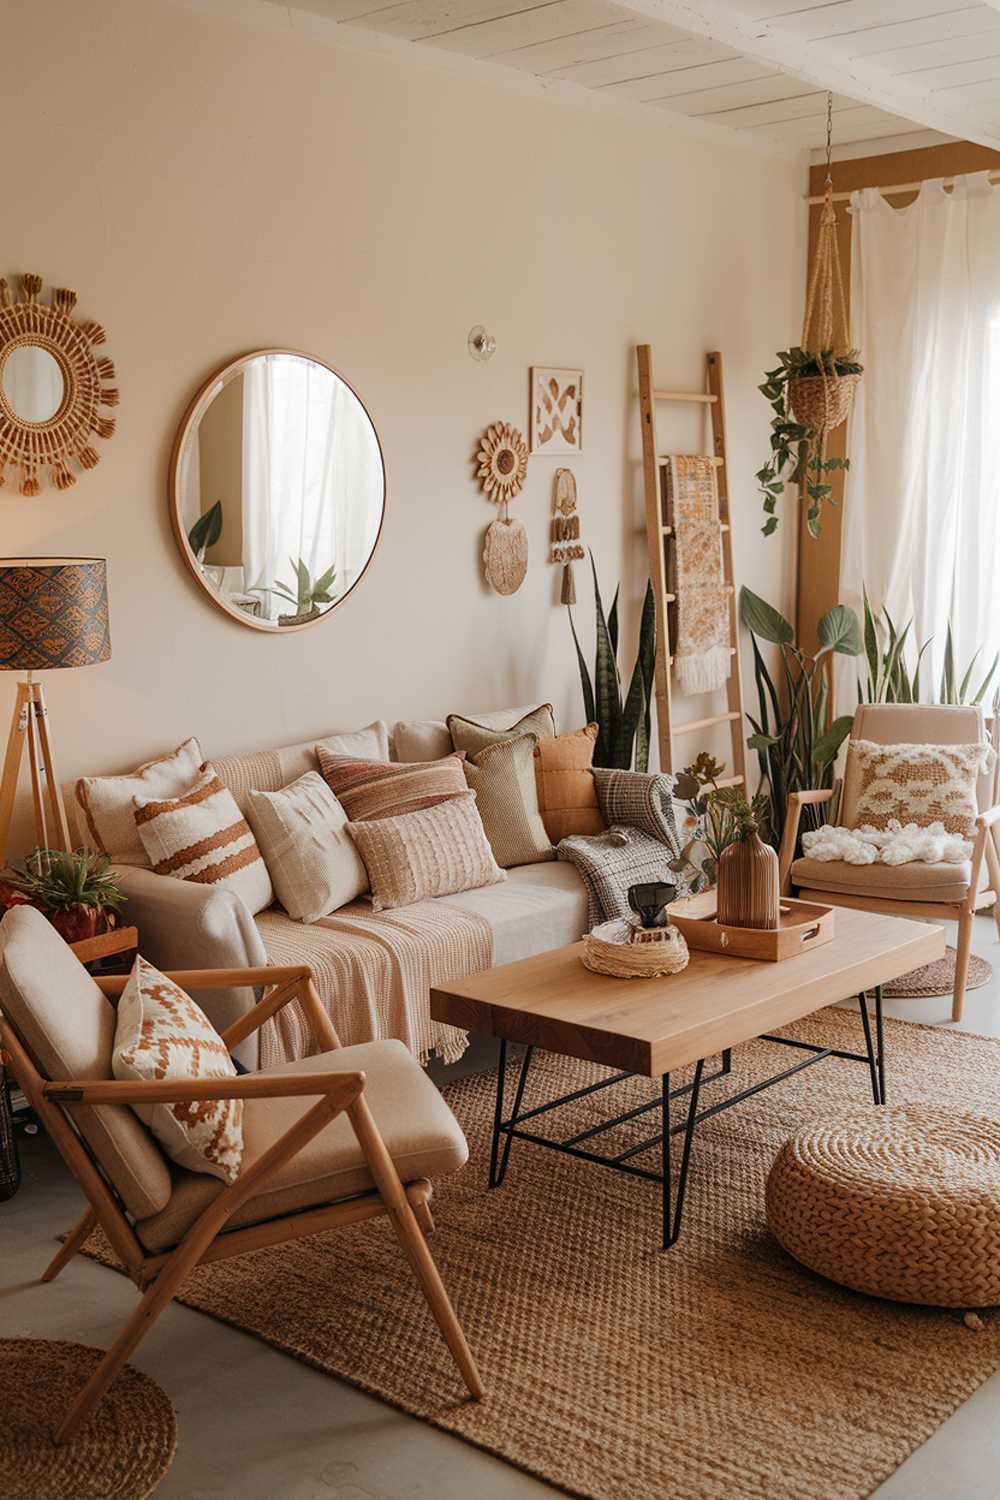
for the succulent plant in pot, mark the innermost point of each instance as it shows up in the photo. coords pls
(74, 889)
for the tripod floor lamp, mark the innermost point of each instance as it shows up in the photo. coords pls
(53, 615)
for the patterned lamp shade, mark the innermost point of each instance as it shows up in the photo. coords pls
(53, 613)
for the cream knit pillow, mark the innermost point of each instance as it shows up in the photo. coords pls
(310, 856)
(434, 852)
(203, 836)
(920, 784)
(161, 1033)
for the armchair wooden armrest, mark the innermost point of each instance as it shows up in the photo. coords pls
(294, 981)
(790, 833)
(181, 1090)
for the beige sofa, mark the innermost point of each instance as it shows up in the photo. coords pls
(374, 978)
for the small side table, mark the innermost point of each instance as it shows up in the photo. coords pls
(110, 952)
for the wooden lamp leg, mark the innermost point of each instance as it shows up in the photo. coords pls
(60, 827)
(19, 723)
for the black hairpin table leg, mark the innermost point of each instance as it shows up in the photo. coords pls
(875, 1048)
(498, 1157)
(673, 1201)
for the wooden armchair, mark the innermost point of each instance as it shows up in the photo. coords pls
(954, 892)
(57, 1031)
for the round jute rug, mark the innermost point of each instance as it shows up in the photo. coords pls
(938, 978)
(121, 1454)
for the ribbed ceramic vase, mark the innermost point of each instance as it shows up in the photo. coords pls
(747, 893)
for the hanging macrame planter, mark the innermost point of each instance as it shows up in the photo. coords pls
(812, 390)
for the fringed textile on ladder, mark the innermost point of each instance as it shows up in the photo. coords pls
(702, 653)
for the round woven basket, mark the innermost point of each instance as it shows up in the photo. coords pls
(822, 402)
(612, 949)
(900, 1202)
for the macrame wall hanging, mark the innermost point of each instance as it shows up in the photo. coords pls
(51, 387)
(502, 461)
(566, 545)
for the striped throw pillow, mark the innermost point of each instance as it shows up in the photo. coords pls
(203, 836)
(370, 789)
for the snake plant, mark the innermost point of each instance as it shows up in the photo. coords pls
(623, 723)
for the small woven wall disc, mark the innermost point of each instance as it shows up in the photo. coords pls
(505, 555)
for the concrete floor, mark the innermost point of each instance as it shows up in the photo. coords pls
(257, 1424)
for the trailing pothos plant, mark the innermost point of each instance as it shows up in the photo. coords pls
(798, 450)
(796, 736)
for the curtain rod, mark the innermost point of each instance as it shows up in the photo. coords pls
(903, 187)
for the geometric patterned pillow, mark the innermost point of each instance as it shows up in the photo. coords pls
(202, 836)
(162, 1033)
(920, 784)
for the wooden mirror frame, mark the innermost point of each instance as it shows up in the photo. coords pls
(196, 409)
(33, 446)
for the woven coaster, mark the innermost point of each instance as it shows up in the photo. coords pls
(123, 1451)
(937, 978)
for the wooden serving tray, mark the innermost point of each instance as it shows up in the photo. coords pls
(801, 925)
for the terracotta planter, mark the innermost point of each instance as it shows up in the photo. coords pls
(76, 923)
(748, 884)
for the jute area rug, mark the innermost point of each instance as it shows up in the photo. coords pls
(720, 1370)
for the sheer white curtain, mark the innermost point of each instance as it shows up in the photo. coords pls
(312, 477)
(922, 501)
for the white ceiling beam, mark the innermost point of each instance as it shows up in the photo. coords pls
(858, 77)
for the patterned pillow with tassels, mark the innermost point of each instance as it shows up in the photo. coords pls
(161, 1033)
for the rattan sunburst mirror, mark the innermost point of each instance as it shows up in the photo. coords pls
(51, 387)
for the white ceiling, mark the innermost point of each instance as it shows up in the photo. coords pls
(756, 66)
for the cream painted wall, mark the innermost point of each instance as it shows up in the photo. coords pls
(210, 186)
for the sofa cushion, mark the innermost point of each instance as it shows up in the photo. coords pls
(270, 770)
(302, 833)
(161, 1033)
(107, 806)
(429, 739)
(470, 736)
(68, 1027)
(503, 779)
(912, 882)
(422, 1135)
(537, 908)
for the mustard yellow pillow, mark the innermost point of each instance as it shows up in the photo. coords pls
(567, 796)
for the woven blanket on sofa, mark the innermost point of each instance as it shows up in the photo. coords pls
(640, 844)
(373, 971)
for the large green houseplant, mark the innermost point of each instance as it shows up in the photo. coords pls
(623, 722)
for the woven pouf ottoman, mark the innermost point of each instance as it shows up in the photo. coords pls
(900, 1202)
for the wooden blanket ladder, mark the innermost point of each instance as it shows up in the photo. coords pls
(658, 532)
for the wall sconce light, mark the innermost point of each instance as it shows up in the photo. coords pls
(482, 345)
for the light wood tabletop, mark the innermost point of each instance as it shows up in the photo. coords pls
(652, 1026)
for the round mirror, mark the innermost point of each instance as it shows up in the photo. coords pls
(277, 489)
(33, 384)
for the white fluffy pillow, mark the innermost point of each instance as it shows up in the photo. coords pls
(312, 860)
(161, 1033)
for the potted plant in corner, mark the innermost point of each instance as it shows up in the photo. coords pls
(74, 889)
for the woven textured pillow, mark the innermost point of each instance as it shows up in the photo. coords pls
(567, 796)
(161, 1033)
(470, 736)
(310, 856)
(503, 779)
(386, 789)
(920, 784)
(638, 799)
(106, 801)
(203, 836)
(434, 852)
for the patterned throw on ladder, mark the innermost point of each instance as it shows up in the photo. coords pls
(702, 653)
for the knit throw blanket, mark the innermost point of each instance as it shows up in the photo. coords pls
(374, 972)
(701, 651)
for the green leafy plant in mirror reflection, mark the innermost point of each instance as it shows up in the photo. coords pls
(206, 531)
(306, 594)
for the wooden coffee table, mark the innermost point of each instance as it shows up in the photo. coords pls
(652, 1027)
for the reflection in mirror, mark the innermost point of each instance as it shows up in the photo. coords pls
(33, 383)
(279, 489)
